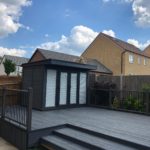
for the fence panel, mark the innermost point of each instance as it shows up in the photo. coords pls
(116, 99)
(131, 83)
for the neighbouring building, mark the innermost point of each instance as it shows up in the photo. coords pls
(119, 56)
(147, 50)
(15, 59)
(42, 54)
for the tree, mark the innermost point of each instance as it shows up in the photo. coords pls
(9, 66)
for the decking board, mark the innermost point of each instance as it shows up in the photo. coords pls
(128, 126)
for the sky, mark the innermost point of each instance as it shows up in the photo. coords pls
(69, 26)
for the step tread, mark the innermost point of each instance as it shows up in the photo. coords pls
(93, 140)
(63, 143)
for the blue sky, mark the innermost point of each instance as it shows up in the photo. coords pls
(70, 25)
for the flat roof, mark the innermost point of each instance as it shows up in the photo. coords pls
(55, 62)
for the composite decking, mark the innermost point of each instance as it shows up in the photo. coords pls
(128, 126)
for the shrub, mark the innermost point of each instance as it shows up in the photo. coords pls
(146, 87)
(116, 103)
(9, 66)
(132, 103)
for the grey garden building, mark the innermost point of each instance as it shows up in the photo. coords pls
(57, 83)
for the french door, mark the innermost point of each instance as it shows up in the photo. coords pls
(73, 88)
(82, 88)
(51, 88)
(63, 88)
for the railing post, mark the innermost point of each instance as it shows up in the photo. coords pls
(147, 102)
(3, 101)
(29, 109)
(110, 97)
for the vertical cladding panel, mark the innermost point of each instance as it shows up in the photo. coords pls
(50, 88)
(27, 77)
(73, 90)
(37, 85)
(82, 90)
(63, 88)
(33, 77)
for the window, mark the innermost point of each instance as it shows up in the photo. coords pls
(139, 60)
(131, 58)
(145, 61)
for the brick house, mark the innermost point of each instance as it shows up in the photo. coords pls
(118, 56)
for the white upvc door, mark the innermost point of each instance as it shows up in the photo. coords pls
(73, 89)
(50, 88)
(63, 88)
(82, 88)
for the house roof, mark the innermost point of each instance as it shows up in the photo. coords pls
(16, 59)
(125, 45)
(100, 67)
(72, 58)
(57, 55)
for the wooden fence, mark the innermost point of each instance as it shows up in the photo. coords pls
(9, 79)
(137, 101)
(133, 83)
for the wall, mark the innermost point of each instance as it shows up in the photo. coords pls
(135, 68)
(107, 52)
(37, 57)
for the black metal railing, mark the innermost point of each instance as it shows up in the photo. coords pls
(117, 99)
(16, 106)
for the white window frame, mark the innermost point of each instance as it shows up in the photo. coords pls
(131, 58)
(145, 61)
(139, 60)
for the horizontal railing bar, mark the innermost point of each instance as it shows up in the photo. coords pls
(16, 90)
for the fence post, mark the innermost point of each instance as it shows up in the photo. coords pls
(147, 102)
(110, 97)
(29, 109)
(3, 101)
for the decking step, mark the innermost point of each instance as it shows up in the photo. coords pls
(57, 143)
(90, 141)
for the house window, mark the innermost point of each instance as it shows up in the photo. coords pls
(131, 58)
(145, 61)
(139, 60)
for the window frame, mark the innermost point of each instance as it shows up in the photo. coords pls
(131, 58)
(139, 60)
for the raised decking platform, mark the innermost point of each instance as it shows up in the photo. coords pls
(128, 126)
(120, 127)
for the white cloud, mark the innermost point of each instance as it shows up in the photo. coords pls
(80, 37)
(10, 11)
(12, 51)
(46, 35)
(141, 11)
(109, 32)
(138, 44)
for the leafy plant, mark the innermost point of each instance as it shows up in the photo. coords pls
(146, 87)
(132, 103)
(9, 66)
(116, 103)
